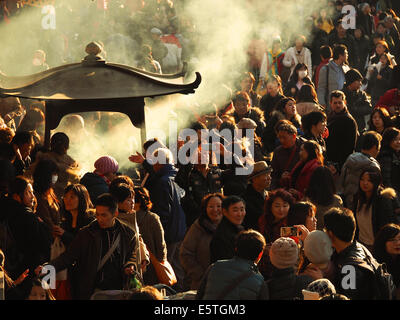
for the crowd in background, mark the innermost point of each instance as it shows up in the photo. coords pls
(325, 111)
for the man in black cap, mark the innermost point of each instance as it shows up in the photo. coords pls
(358, 102)
(256, 192)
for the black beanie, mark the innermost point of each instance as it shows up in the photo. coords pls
(352, 75)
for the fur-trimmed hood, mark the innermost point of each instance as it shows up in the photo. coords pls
(388, 193)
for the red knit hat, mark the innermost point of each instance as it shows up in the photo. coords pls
(105, 165)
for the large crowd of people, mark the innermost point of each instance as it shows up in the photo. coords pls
(315, 216)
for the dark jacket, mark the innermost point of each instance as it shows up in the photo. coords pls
(223, 273)
(85, 250)
(254, 207)
(382, 210)
(166, 196)
(363, 278)
(284, 284)
(257, 116)
(390, 168)
(222, 245)
(358, 105)
(362, 47)
(194, 252)
(95, 185)
(66, 224)
(378, 87)
(342, 137)
(33, 238)
(282, 161)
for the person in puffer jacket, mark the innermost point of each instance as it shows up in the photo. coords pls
(237, 278)
(357, 162)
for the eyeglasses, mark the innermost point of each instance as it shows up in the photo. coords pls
(394, 240)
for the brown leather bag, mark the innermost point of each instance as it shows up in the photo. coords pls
(164, 271)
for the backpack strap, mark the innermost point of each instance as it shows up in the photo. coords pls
(234, 284)
(109, 252)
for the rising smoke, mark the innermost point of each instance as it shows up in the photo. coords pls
(219, 35)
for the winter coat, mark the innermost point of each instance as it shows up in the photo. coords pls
(254, 207)
(66, 224)
(222, 245)
(292, 84)
(382, 210)
(284, 284)
(32, 237)
(280, 163)
(166, 196)
(85, 250)
(390, 168)
(301, 182)
(351, 172)
(362, 47)
(331, 77)
(195, 251)
(378, 87)
(342, 137)
(359, 106)
(223, 273)
(152, 234)
(95, 185)
(364, 282)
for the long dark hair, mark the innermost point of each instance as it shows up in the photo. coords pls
(322, 176)
(307, 93)
(42, 176)
(314, 151)
(388, 136)
(385, 116)
(376, 179)
(84, 202)
(294, 78)
(387, 232)
(267, 220)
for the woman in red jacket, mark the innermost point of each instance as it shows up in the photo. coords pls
(310, 158)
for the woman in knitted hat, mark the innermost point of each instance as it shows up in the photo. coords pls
(284, 284)
(97, 182)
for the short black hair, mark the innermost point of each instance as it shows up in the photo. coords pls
(326, 52)
(249, 244)
(230, 200)
(22, 137)
(338, 50)
(370, 139)
(341, 222)
(312, 119)
(122, 192)
(285, 125)
(107, 200)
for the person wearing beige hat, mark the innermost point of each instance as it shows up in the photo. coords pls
(256, 193)
(248, 124)
(284, 284)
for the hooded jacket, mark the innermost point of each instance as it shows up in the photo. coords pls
(382, 210)
(95, 185)
(351, 171)
(166, 197)
(222, 273)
